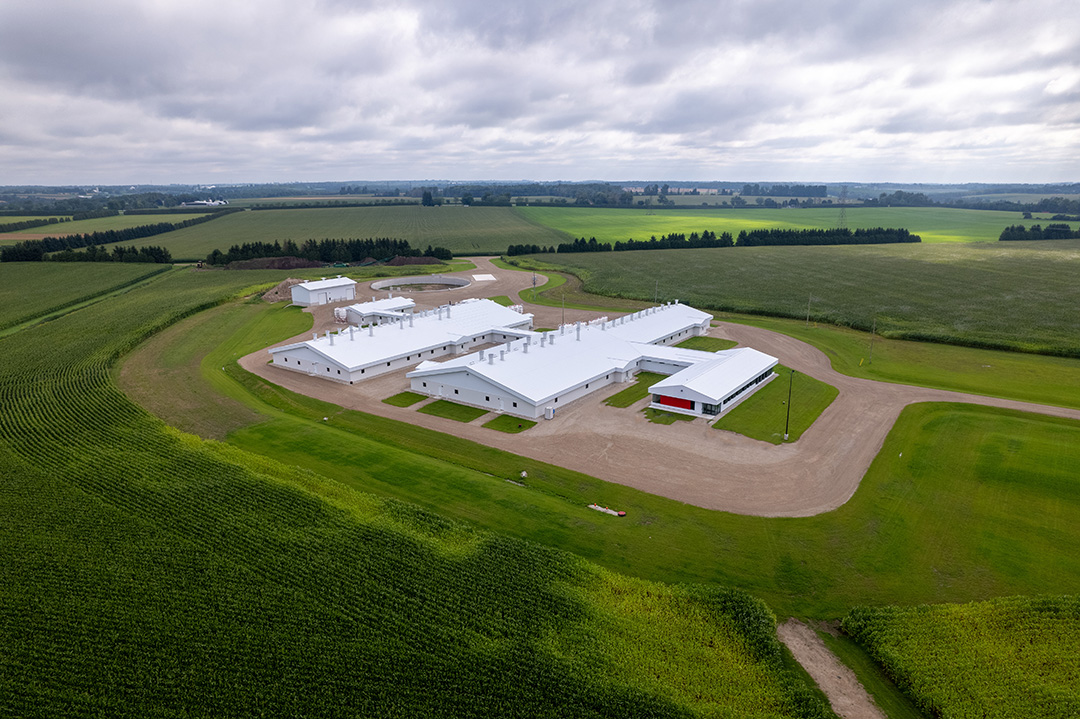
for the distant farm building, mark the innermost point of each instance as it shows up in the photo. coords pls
(324, 291)
(354, 354)
(533, 375)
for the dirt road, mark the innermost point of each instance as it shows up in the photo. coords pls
(846, 694)
(687, 461)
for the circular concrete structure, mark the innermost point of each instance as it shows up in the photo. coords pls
(429, 283)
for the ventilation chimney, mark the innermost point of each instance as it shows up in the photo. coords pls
(448, 312)
(371, 330)
(440, 313)
(543, 340)
(401, 323)
(491, 358)
(579, 333)
(314, 336)
(351, 338)
(410, 321)
(502, 355)
(525, 348)
(481, 355)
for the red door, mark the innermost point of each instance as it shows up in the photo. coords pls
(677, 402)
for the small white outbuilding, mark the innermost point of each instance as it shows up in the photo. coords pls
(324, 291)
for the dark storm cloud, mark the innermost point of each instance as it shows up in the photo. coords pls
(137, 90)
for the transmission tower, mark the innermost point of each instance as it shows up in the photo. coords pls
(841, 222)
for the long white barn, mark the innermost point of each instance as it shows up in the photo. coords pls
(354, 354)
(532, 376)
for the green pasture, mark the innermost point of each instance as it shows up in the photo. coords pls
(707, 344)
(1012, 375)
(1007, 295)
(933, 224)
(145, 571)
(934, 524)
(452, 410)
(29, 290)
(404, 399)
(1013, 658)
(509, 424)
(101, 224)
(764, 414)
(462, 230)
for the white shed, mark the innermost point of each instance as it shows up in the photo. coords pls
(324, 291)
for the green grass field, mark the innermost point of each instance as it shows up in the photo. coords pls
(706, 344)
(462, 230)
(1007, 295)
(33, 289)
(763, 415)
(144, 571)
(915, 531)
(510, 425)
(931, 223)
(100, 224)
(452, 410)
(404, 399)
(1010, 658)
(995, 373)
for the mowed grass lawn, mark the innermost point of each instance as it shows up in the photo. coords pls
(933, 224)
(764, 414)
(100, 224)
(1017, 295)
(962, 503)
(462, 230)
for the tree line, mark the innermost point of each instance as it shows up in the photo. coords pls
(46, 221)
(94, 253)
(755, 190)
(1037, 232)
(35, 250)
(328, 250)
(753, 238)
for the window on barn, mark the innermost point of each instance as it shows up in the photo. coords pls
(455, 391)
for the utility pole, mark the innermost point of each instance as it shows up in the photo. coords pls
(787, 422)
(873, 329)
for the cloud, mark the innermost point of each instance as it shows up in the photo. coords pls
(198, 91)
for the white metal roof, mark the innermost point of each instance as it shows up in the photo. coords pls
(716, 378)
(326, 284)
(425, 331)
(543, 372)
(387, 304)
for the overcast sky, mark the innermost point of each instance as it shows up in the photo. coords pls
(142, 91)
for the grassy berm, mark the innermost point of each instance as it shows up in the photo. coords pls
(147, 572)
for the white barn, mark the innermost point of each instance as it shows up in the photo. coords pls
(389, 309)
(354, 354)
(324, 291)
(532, 376)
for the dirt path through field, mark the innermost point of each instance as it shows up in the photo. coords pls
(687, 461)
(846, 694)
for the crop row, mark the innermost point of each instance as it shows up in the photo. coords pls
(145, 573)
(1011, 657)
